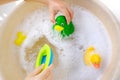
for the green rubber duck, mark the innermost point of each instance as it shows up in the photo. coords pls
(62, 27)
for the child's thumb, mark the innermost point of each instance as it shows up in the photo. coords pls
(52, 16)
(37, 71)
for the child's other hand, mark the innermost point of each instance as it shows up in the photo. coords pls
(60, 5)
(38, 75)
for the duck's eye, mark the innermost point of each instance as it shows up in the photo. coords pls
(62, 24)
(95, 63)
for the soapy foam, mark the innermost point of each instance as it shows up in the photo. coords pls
(69, 64)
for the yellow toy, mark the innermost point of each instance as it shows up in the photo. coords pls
(20, 38)
(92, 58)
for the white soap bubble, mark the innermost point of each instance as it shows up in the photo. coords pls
(89, 31)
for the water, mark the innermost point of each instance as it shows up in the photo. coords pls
(69, 52)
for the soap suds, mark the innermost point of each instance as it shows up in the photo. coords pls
(69, 52)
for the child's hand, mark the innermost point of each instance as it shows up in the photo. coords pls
(38, 75)
(55, 6)
(59, 5)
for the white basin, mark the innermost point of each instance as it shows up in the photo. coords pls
(9, 63)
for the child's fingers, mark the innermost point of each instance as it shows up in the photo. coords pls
(52, 15)
(67, 15)
(45, 77)
(47, 72)
(70, 12)
(50, 77)
(37, 71)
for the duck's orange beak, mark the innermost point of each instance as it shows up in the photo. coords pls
(97, 66)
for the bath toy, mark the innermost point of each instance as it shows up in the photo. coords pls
(45, 56)
(62, 27)
(20, 38)
(92, 58)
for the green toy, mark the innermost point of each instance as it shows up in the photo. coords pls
(62, 27)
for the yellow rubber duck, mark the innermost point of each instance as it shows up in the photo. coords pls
(20, 38)
(92, 58)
